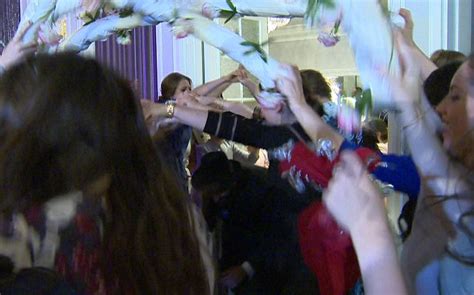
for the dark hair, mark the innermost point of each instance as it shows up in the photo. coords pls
(215, 171)
(378, 125)
(369, 139)
(443, 57)
(170, 83)
(436, 86)
(315, 87)
(64, 122)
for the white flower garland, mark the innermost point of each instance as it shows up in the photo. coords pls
(372, 50)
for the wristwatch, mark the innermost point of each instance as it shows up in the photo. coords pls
(170, 105)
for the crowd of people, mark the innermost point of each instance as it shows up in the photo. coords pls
(104, 192)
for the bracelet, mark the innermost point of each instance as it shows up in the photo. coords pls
(170, 105)
(2, 70)
(257, 113)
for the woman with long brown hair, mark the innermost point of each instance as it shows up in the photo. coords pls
(71, 130)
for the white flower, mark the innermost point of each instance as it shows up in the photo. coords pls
(182, 28)
(124, 38)
(269, 100)
(210, 11)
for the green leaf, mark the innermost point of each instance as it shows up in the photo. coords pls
(255, 48)
(248, 43)
(229, 14)
(226, 13)
(231, 5)
(364, 102)
(127, 11)
(327, 3)
(313, 7)
(335, 29)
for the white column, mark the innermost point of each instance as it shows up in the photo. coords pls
(187, 58)
(460, 30)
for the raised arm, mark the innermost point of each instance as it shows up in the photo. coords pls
(426, 65)
(238, 108)
(432, 162)
(291, 86)
(223, 125)
(217, 104)
(407, 46)
(210, 87)
(362, 213)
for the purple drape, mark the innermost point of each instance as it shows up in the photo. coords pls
(136, 62)
(9, 19)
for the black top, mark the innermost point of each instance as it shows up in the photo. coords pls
(250, 131)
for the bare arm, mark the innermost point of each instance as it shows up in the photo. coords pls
(291, 86)
(426, 65)
(238, 108)
(406, 44)
(414, 109)
(251, 86)
(209, 88)
(16, 51)
(185, 115)
(362, 213)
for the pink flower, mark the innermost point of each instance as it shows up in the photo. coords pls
(91, 6)
(348, 119)
(210, 11)
(328, 39)
(48, 36)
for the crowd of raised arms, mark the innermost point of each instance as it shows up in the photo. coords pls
(105, 192)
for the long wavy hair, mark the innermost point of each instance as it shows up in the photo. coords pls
(65, 122)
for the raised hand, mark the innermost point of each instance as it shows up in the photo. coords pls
(406, 88)
(363, 204)
(16, 51)
(291, 86)
(407, 30)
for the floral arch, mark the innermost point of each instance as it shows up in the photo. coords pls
(365, 22)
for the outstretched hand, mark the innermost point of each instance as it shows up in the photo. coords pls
(405, 88)
(407, 29)
(363, 204)
(238, 75)
(16, 51)
(291, 86)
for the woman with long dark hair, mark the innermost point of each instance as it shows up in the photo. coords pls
(78, 166)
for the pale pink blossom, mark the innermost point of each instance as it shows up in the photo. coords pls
(348, 119)
(210, 11)
(48, 36)
(328, 39)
